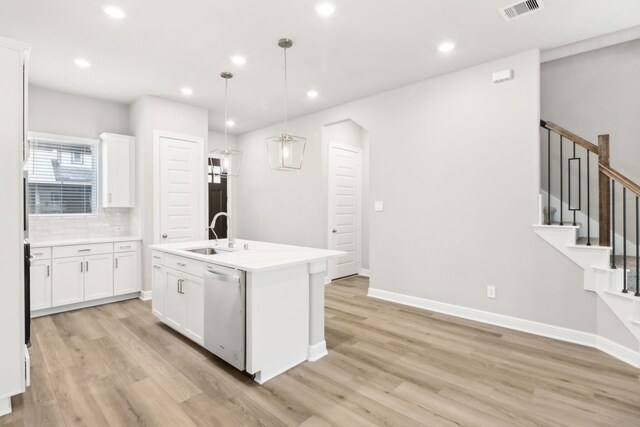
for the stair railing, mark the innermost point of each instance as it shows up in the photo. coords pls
(607, 179)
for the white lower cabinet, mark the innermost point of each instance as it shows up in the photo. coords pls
(98, 276)
(40, 284)
(125, 273)
(159, 291)
(193, 288)
(176, 305)
(181, 296)
(98, 271)
(68, 281)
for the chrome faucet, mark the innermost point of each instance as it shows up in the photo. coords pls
(230, 239)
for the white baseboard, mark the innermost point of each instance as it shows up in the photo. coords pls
(84, 304)
(364, 272)
(327, 280)
(317, 351)
(145, 295)
(5, 406)
(625, 354)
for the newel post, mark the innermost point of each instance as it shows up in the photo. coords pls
(604, 192)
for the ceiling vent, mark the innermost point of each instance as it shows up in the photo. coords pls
(519, 9)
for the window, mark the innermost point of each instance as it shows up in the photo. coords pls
(63, 177)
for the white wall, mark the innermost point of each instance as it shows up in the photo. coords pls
(61, 113)
(350, 133)
(66, 114)
(148, 114)
(456, 161)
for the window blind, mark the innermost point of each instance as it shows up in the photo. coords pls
(63, 178)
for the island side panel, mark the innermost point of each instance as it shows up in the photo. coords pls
(317, 343)
(277, 320)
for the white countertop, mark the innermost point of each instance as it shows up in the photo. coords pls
(260, 256)
(85, 241)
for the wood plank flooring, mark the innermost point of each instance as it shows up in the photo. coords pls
(387, 365)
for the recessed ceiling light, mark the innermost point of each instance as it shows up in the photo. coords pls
(186, 91)
(446, 47)
(114, 12)
(239, 60)
(82, 62)
(231, 123)
(312, 94)
(325, 8)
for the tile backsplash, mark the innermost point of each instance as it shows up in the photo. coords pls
(111, 222)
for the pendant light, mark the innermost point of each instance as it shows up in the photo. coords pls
(229, 159)
(285, 150)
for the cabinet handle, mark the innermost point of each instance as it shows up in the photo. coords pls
(156, 266)
(87, 269)
(109, 197)
(84, 250)
(38, 254)
(157, 257)
(81, 266)
(48, 270)
(181, 264)
(116, 262)
(125, 247)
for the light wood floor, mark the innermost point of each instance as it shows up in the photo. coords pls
(387, 365)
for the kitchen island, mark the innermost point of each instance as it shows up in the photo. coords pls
(259, 306)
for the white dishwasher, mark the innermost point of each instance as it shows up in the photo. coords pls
(224, 314)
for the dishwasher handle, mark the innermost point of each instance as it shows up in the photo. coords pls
(222, 277)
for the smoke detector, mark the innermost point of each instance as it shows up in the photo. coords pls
(521, 8)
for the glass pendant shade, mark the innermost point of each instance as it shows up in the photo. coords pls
(229, 162)
(286, 151)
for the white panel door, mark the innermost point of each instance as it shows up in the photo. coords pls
(179, 191)
(40, 275)
(193, 289)
(68, 281)
(98, 276)
(344, 209)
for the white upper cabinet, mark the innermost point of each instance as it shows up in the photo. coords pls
(117, 170)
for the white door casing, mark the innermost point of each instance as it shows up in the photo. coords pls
(344, 220)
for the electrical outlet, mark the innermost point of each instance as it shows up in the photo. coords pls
(491, 291)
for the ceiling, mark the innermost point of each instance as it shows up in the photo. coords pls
(365, 47)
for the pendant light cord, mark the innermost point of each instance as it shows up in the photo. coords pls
(226, 108)
(285, 89)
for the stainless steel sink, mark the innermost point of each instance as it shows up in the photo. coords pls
(209, 251)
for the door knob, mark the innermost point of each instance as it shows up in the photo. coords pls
(334, 231)
(164, 236)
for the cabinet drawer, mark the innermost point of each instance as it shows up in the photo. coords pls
(125, 246)
(185, 265)
(81, 250)
(41, 253)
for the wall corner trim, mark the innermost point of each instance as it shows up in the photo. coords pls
(145, 295)
(627, 355)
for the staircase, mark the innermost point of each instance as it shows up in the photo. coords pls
(611, 259)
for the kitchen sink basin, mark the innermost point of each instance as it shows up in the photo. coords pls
(209, 251)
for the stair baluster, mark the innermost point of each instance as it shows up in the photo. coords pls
(624, 239)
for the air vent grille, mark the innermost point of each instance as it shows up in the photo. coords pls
(519, 9)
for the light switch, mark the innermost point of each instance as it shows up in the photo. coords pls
(378, 207)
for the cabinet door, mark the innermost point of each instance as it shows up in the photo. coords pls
(40, 284)
(98, 276)
(159, 291)
(125, 273)
(175, 309)
(68, 281)
(116, 173)
(193, 289)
